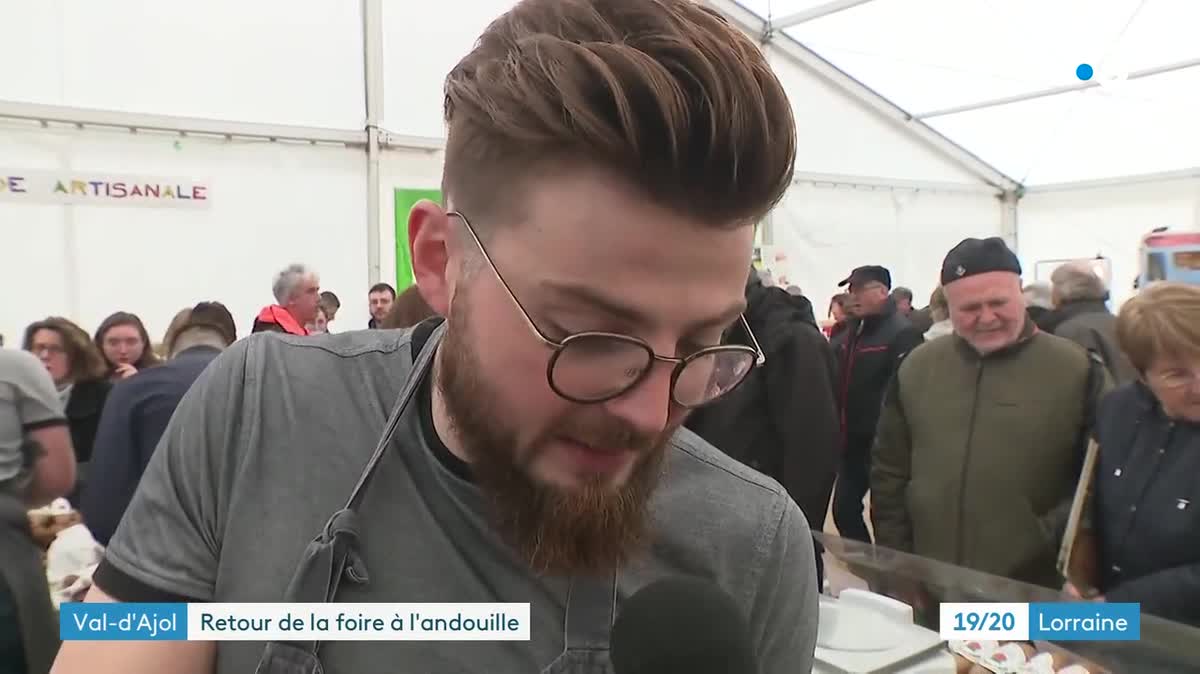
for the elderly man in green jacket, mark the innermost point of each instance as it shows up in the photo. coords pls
(982, 435)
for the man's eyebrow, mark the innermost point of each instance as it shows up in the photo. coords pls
(610, 305)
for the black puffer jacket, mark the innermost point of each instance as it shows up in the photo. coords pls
(1147, 506)
(782, 420)
(868, 352)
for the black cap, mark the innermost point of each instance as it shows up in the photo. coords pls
(979, 256)
(868, 274)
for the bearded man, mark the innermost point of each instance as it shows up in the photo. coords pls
(605, 163)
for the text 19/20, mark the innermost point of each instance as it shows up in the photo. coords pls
(984, 621)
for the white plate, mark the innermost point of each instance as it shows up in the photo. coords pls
(845, 627)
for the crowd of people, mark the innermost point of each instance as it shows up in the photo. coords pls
(966, 420)
(589, 389)
(68, 430)
(971, 445)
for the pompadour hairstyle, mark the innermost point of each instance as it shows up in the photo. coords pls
(664, 93)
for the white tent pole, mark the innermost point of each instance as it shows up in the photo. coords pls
(1009, 223)
(753, 24)
(1116, 181)
(133, 121)
(874, 182)
(373, 69)
(85, 118)
(831, 7)
(1055, 91)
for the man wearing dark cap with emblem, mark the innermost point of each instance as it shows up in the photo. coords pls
(982, 434)
(868, 351)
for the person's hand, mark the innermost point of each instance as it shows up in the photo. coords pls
(125, 371)
(1074, 594)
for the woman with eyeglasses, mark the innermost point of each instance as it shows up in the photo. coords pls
(1147, 489)
(80, 374)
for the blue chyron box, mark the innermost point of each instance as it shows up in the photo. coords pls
(122, 622)
(1085, 621)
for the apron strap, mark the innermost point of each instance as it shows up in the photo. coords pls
(333, 554)
(420, 370)
(591, 609)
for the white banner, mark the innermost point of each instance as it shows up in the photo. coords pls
(83, 188)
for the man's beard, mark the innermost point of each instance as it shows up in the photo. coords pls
(593, 528)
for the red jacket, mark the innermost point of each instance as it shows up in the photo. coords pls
(274, 318)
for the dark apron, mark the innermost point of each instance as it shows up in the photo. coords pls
(26, 612)
(332, 557)
(591, 606)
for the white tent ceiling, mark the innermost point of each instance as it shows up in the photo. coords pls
(998, 77)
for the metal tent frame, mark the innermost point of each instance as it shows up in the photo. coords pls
(374, 139)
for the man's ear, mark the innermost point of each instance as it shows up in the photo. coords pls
(430, 242)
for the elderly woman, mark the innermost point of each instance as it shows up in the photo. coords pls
(1147, 495)
(81, 376)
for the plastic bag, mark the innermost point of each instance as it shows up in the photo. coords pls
(70, 562)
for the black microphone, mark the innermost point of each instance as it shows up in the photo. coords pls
(681, 626)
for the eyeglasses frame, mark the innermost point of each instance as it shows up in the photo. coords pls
(557, 347)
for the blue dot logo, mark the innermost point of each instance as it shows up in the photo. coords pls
(1084, 72)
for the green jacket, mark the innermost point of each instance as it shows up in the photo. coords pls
(977, 457)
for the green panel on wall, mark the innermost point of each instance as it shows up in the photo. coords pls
(405, 199)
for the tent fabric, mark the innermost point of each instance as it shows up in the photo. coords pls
(938, 59)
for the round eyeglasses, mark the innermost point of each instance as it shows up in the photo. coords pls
(594, 367)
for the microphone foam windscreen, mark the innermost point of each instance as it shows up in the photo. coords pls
(681, 625)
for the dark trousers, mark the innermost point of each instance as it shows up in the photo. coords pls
(853, 482)
(12, 648)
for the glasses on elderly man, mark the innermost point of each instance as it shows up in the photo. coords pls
(593, 367)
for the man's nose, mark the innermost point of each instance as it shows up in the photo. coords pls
(647, 406)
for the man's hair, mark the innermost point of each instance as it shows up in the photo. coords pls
(383, 288)
(939, 308)
(1076, 282)
(84, 357)
(213, 317)
(409, 309)
(328, 299)
(663, 93)
(1038, 295)
(286, 281)
(900, 292)
(1162, 320)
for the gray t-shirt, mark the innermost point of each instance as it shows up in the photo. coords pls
(28, 401)
(270, 441)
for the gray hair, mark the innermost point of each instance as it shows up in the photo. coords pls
(1038, 295)
(1076, 282)
(287, 280)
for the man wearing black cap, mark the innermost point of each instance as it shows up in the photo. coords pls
(982, 434)
(868, 351)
